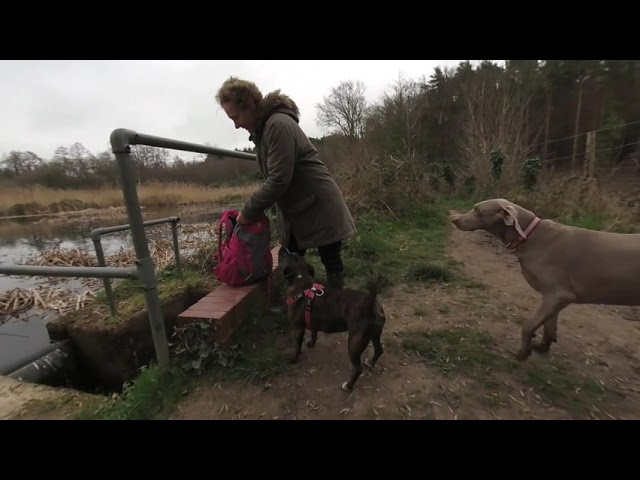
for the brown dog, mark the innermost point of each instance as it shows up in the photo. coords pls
(565, 264)
(331, 310)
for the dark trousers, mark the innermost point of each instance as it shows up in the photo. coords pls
(329, 255)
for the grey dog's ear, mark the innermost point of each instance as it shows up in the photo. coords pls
(509, 215)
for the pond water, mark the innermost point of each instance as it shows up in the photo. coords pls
(24, 335)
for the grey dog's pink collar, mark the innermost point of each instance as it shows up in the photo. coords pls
(523, 236)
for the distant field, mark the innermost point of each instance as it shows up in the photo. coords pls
(28, 201)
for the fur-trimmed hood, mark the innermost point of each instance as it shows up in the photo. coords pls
(274, 102)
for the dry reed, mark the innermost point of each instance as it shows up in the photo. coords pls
(571, 197)
(60, 300)
(196, 242)
(34, 200)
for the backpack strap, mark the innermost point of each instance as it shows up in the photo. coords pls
(218, 254)
(224, 221)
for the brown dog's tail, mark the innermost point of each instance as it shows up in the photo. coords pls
(375, 284)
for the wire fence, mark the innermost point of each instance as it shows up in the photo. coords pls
(614, 153)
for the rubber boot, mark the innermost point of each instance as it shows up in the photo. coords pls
(335, 280)
(281, 308)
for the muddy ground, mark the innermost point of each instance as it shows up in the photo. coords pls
(465, 334)
(28, 401)
(465, 369)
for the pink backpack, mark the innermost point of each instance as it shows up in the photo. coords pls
(244, 251)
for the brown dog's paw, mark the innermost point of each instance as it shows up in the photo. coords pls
(541, 347)
(346, 387)
(521, 356)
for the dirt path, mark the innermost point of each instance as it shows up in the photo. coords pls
(28, 401)
(592, 372)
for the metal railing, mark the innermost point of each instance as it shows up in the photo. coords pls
(121, 140)
(97, 234)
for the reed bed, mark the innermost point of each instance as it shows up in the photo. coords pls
(196, 243)
(59, 300)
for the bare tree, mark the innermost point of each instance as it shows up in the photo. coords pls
(20, 162)
(394, 124)
(496, 119)
(344, 109)
(150, 157)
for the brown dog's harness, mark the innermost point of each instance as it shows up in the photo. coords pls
(523, 235)
(316, 290)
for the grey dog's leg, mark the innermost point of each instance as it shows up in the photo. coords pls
(550, 335)
(551, 305)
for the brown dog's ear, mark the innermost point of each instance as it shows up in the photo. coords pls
(288, 273)
(311, 271)
(509, 215)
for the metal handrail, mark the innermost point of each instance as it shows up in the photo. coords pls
(96, 236)
(121, 140)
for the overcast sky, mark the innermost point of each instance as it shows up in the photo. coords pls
(47, 103)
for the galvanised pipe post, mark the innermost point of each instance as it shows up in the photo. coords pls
(176, 249)
(96, 235)
(105, 281)
(121, 140)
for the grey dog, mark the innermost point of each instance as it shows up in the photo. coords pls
(564, 264)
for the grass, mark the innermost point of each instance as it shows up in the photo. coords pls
(598, 221)
(400, 248)
(129, 294)
(459, 350)
(471, 352)
(590, 221)
(408, 247)
(154, 394)
(423, 272)
(256, 357)
(35, 200)
(260, 342)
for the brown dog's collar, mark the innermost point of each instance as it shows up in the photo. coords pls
(522, 237)
(316, 290)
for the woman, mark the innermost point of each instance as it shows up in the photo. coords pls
(312, 212)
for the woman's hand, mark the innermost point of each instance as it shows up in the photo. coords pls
(240, 219)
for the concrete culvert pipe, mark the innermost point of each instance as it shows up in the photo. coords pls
(54, 367)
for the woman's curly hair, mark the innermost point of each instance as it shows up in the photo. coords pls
(237, 91)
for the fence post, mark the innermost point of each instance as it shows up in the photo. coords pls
(590, 157)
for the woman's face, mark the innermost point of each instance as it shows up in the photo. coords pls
(242, 118)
